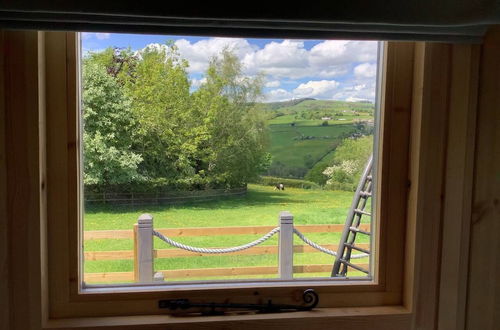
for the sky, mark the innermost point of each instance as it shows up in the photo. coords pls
(321, 69)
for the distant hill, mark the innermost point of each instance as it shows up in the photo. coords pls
(305, 132)
(284, 104)
(310, 104)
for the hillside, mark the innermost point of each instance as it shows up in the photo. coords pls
(305, 133)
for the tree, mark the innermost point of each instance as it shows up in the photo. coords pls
(160, 100)
(348, 163)
(234, 138)
(120, 63)
(144, 124)
(108, 130)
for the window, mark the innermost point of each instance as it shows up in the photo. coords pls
(214, 138)
(64, 205)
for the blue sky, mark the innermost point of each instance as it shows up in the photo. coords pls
(322, 69)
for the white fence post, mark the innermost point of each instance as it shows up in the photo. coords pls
(286, 245)
(143, 249)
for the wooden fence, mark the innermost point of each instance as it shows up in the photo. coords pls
(207, 272)
(162, 198)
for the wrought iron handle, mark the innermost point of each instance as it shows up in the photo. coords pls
(309, 296)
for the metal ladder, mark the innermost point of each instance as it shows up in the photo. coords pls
(352, 225)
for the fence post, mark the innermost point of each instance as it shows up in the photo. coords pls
(143, 249)
(286, 246)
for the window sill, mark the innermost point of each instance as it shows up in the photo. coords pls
(388, 317)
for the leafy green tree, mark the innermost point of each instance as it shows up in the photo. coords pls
(120, 63)
(142, 123)
(160, 100)
(348, 163)
(233, 138)
(108, 130)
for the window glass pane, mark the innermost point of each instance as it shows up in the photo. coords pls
(212, 159)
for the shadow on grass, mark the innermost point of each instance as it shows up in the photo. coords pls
(253, 198)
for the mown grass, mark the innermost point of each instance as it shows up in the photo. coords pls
(260, 206)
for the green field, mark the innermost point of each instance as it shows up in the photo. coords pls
(300, 138)
(296, 153)
(261, 206)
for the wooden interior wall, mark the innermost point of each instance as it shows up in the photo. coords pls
(23, 90)
(483, 303)
(4, 237)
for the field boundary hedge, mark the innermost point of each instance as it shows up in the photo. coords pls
(292, 183)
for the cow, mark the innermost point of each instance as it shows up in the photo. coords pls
(279, 186)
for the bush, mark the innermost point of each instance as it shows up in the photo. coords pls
(348, 163)
(294, 183)
(316, 175)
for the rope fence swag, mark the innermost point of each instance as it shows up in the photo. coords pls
(143, 235)
(216, 251)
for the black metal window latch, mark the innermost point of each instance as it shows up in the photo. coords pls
(309, 297)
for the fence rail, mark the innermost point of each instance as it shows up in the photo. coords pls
(176, 253)
(209, 272)
(213, 231)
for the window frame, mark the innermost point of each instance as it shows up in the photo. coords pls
(64, 236)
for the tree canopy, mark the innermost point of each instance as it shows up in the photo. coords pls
(144, 126)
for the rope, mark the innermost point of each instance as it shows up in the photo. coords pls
(249, 245)
(322, 249)
(219, 250)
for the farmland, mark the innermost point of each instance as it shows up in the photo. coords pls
(306, 132)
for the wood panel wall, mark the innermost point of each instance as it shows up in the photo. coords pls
(483, 303)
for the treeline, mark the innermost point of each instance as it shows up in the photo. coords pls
(146, 130)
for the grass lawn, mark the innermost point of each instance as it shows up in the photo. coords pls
(261, 206)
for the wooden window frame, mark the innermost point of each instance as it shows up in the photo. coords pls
(420, 78)
(64, 208)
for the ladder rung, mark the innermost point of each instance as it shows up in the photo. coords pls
(369, 178)
(362, 212)
(352, 246)
(365, 194)
(354, 266)
(357, 230)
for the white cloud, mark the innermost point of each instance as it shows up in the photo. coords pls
(99, 36)
(354, 99)
(102, 36)
(320, 89)
(286, 59)
(272, 84)
(328, 65)
(278, 59)
(198, 82)
(85, 35)
(277, 95)
(199, 53)
(366, 70)
(355, 91)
